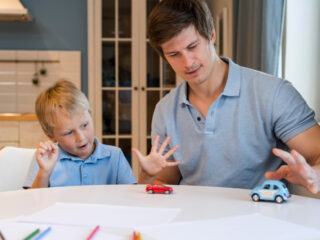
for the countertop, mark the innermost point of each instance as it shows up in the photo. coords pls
(18, 117)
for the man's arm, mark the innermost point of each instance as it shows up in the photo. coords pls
(169, 175)
(303, 162)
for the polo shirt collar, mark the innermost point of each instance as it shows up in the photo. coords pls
(232, 88)
(99, 153)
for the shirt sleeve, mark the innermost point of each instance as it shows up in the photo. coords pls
(125, 174)
(291, 114)
(32, 173)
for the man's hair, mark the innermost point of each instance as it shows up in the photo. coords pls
(63, 95)
(169, 17)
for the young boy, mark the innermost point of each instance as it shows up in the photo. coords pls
(78, 158)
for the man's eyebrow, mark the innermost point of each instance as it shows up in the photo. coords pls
(190, 44)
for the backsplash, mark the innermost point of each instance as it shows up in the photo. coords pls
(25, 73)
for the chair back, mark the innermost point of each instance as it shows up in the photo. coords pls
(14, 166)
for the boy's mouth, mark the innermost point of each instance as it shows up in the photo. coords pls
(83, 146)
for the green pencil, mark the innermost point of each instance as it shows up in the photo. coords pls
(32, 234)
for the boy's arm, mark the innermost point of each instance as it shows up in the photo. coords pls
(155, 162)
(47, 157)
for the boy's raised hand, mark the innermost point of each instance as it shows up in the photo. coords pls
(156, 161)
(47, 156)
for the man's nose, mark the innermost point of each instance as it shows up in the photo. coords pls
(187, 60)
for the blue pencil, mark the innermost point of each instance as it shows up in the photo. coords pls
(45, 232)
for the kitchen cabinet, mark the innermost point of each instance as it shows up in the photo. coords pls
(20, 130)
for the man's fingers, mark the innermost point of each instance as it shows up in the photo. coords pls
(172, 164)
(155, 144)
(163, 145)
(138, 153)
(282, 172)
(169, 153)
(285, 156)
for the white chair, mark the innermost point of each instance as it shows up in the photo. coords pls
(14, 166)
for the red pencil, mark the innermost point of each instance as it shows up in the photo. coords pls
(134, 237)
(93, 232)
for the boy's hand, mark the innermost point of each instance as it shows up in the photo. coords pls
(47, 156)
(297, 170)
(155, 161)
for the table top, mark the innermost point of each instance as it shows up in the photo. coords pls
(195, 202)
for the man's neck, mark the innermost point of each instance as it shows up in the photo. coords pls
(210, 90)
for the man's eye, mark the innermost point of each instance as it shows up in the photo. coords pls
(192, 46)
(68, 133)
(85, 125)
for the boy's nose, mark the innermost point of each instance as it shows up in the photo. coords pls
(79, 136)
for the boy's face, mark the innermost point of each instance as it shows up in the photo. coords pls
(75, 134)
(190, 55)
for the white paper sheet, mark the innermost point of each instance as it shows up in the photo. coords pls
(17, 231)
(245, 227)
(77, 214)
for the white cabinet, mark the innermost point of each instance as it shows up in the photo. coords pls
(21, 133)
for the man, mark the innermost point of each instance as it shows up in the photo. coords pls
(232, 124)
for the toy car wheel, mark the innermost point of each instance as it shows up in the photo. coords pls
(255, 197)
(167, 192)
(279, 199)
(150, 191)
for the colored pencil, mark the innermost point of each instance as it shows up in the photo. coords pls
(93, 232)
(45, 232)
(35, 232)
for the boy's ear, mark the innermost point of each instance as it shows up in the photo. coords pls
(52, 139)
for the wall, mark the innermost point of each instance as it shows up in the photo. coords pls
(56, 25)
(302, 57)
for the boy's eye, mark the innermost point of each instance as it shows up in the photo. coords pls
(85, 125)
(192, 46)
(68, 133)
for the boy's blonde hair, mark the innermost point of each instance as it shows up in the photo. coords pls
(63, 95)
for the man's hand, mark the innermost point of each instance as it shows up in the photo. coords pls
(155, 161)
(297, 171)
(47, 156)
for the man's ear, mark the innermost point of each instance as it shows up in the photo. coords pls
(213, 36)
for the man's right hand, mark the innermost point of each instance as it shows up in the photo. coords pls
(153, 163)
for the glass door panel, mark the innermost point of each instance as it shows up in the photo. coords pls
(108, 18)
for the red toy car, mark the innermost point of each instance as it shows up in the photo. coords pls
(158, 188)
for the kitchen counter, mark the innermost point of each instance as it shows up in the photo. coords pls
(18, 117)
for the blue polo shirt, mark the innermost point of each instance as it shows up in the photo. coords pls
(107, 165)
(232, 146)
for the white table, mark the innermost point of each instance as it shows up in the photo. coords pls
(196, 203)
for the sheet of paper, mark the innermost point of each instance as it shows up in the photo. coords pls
(17, 231)
(254, 226)
(104, 215)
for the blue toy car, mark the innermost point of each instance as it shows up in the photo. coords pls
(271, 190)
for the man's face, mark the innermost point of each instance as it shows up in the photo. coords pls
(190, 55)
(75, 134)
